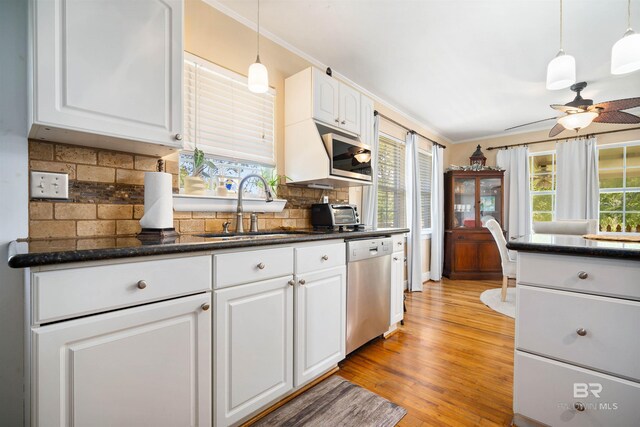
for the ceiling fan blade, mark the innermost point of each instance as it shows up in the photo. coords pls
(618, 104)
(531, 123)
(557, 129)
(566, 108)
(619, 117)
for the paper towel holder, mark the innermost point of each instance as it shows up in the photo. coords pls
(158, 235)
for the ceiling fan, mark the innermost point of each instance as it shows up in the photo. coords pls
(581, 112)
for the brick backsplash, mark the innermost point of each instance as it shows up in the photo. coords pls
(106, 196)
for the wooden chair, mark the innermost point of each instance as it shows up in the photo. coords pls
(508, 261)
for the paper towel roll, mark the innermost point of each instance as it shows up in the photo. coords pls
(158, 201)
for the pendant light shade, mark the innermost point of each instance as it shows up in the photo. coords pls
(258, 80)
(561, 71)
(258, 76)
(577, 121)
(625, 55)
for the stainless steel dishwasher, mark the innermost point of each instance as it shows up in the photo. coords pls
(368, 290)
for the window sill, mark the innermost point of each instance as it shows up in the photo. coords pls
(204, 203)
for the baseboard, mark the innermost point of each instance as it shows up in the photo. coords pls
(426, 275)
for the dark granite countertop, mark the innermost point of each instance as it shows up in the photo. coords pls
(575, 245)
(30, 253)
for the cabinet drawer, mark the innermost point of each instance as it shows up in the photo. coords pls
(546, 391)
(315, 258)
(474, 236)
(548, 322)
(61, 294)
(398, 242)
(251, 266)
(603, 276)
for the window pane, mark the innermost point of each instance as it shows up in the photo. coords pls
(610, 202)
(633, 155)
(542, 164)
(542, 202)
(633, 202)
(611, 222)
(633, 177)
(542, 216)
(542, 182)
(611, 178)
(633, 222)
(611, 158)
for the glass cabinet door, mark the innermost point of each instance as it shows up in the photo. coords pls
(490, 199)
(464, 203)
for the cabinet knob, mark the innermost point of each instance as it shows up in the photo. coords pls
(399, 243)
(581, 331)
(579, 406)
(261, 266)
(325, 257)
(395, 258)
(142, 284)
(178, 136)
(291, 282)
(302, 281)
(337, 120)
(343, 122)
(205, 306)
(583, 275)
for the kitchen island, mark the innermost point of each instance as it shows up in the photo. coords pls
(577, 357)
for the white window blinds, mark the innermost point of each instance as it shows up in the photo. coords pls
(391, 183)
(223, 118)
(425, 164)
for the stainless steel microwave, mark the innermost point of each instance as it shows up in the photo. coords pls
(349, 157)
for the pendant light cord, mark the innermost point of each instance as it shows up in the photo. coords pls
(629, 15)
(561, 47)
(258, 32)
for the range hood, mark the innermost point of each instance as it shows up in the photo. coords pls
(307, 160)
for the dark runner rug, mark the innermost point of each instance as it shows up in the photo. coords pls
(335, 402)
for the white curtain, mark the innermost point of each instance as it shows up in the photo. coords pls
(414, 214)
(577, 175)
(370, 192)
(437, 213)
(517, 200)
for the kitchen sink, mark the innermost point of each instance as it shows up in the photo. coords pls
(251, 236)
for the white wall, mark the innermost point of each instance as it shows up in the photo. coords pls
(13, 202)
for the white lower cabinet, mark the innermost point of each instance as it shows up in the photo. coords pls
(142, 366)
(253, 342)
(320, 326)
(397, 287)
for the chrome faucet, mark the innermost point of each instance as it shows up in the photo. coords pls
(240, 211)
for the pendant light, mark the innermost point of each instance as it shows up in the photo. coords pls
(625, 55)
(258, 79)
(561, 71)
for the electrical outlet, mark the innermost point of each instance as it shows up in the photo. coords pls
(48, 185)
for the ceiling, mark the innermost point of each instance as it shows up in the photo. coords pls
(467, 69)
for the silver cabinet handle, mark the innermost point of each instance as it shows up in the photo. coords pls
(142, 284)
(325, 257)
(205, 306)
(579, 406)
(337, 120)
(291, 282)
(178, 136)
(302, 281)
(395, 258)
(343, 122)
(583, 275)
(581, 331)
(261, 266)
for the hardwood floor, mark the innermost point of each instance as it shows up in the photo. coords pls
(451, 364)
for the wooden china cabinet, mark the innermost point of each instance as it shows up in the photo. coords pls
(469, 198)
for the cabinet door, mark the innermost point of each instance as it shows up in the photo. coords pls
(397, 287)
(253, 338)
(148, 365)
(490, 199)
(366, 121)
(349, 109)
(320, 327)
(464, 202)
(325, 98)
(108, 67)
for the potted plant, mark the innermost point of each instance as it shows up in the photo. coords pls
(194, 183)
(273, 179)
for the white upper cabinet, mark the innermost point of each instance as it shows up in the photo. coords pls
(349, 109)
(326, 97)
(108, 72)
(366, 120)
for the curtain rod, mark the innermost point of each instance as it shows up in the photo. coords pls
(389, 119)
(560, 139)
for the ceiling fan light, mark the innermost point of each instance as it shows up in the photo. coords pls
(577, 121)
(625, 54)
(258, 80)
(561, 71)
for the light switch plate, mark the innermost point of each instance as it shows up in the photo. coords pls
(48, 185)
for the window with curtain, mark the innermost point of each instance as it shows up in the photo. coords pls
(542, 181)
(619, 177)
(223, 118)
(391, 182)
(426, 165)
